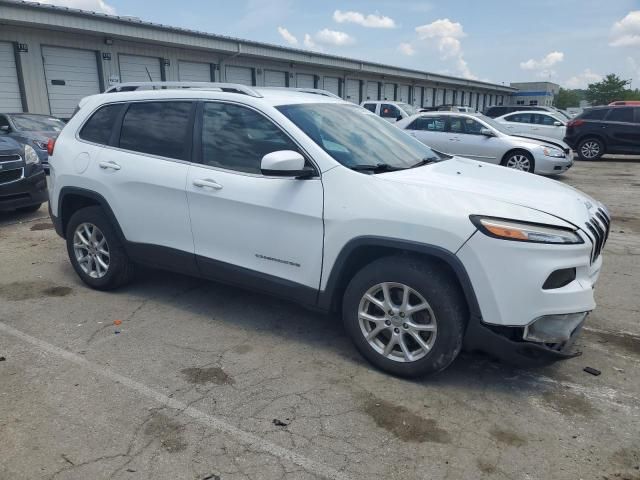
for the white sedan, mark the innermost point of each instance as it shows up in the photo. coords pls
(478, 137)
(538, 124)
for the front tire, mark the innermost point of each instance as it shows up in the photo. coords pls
(590, 149)
(519, 160)
(95, 251)
(406, 316)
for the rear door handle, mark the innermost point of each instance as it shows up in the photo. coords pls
(111, 165)
(207, 183)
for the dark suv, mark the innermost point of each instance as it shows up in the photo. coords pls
(600, 130)
(23, 185)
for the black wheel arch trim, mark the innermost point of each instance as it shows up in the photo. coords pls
(327, 297)
(90, 194)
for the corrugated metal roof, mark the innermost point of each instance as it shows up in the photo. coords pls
(332, 61)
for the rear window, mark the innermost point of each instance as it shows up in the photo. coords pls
(99, 127)
(157, 128)
(624, 114)
(371, 107)
(594, 114)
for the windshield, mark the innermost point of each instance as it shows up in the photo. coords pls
(356, 137)
(410, 109)
(37, 123)
(493, 124)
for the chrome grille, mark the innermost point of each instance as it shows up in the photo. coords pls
(9, 158)
(598, 228)
(11, 175)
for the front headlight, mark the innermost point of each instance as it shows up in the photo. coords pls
(525, 232)
(30, 155)
(553, 152)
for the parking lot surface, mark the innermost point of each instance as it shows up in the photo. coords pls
(206, 381)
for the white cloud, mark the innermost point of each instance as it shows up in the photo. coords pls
(626, 32)
(310, 44)
(288, 36)
(406, 49)
(545, 63)
(582, 80)
(91, 5)
(370, 21)
(333, 37)
(447, 36)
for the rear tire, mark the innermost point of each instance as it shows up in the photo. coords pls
(376, 314)
(590, 149)
(519, 160)
(95, 251)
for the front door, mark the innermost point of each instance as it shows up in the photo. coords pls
(250, 229)
(469, 141)
(432, 132)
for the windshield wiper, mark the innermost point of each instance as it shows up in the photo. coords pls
(377, 168)
(425, 161)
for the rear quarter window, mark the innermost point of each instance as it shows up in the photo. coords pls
(99, 127)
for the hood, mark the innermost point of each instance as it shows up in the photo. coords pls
(503, 184)
(540, 140)
(8, 146)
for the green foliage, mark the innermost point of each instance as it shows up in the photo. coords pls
(567, 98)
(609, 89)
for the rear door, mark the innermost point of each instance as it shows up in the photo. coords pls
(250, 228)
(622, 130)
(144, 172)
(431, 130)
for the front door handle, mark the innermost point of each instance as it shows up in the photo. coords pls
(207, 183)
(110, 164)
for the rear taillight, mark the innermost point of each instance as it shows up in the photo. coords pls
(50, 145)
(575, 122)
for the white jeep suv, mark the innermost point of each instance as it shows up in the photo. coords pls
(314, 199)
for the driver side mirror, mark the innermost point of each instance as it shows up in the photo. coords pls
(285, 163)
(557, 124)
(5, 129)
(487, 133)
(399, 117)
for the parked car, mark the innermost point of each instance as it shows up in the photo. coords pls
(318, 200)
(33, 130)
(500, 110)
(537, 124)
(390, 111)
(453, 108)
(475, 136)
(601, 130)
(23, 185)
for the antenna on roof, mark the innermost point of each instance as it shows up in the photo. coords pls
(149, 74)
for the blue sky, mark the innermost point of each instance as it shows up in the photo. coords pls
(571, 42)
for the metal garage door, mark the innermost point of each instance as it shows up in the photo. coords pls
(70, 74)
(304, 80)
(9, 87)
(428, 97)
(194, 72)
(389, 92)
(275, 79)
(332, 84)
(439, 95)
(372, 91)
(242, 75)
(134, 68)
(353, 91)
(404, 93)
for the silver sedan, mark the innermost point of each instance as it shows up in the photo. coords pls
(476, 136)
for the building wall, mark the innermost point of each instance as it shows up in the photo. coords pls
(534, 93)
(35, 88)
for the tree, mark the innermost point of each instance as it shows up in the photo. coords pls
(607, 90)
(567, 98)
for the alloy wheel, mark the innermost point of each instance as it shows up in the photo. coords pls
(91, 250)
(590, 149)
(397, 322)
(519, 162)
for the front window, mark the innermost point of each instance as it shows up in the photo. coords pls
(355, 137)
(37, 123)
(410, 109)
(493, 124)
(389, 111)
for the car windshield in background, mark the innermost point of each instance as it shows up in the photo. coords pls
(358, 138)
(410, 109)
(493, 124)
(37, 123)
